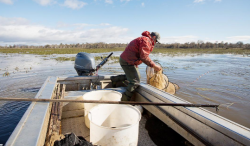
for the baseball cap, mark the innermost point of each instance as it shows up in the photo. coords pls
(158, 37)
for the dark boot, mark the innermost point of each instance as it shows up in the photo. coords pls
(116, 79)
(125, 97)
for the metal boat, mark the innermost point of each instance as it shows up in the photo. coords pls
(197, 125)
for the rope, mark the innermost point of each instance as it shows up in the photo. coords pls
(200, 77)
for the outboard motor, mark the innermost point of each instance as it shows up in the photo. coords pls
(85, 64)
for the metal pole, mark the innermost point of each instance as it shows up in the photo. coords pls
(109, 102)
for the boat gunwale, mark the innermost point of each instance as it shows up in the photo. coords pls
(195, 114)
(15, 136)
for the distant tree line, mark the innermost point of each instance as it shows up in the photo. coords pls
(204, 45)
(198, 44)
(78, 45)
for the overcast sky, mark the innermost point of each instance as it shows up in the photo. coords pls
(40, 22)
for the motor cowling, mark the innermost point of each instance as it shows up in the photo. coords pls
(85, 64)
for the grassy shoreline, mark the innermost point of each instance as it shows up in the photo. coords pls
(97, 58)
(204, 51)
(49, 51)
(171, 51)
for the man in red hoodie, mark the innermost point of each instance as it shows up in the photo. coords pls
(136, 52)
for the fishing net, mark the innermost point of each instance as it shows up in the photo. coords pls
(171, 88)
(160, 80)
(150, 73)
(176, 86)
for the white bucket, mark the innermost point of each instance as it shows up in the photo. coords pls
(114, 125)
(139, 107)
(107, 95)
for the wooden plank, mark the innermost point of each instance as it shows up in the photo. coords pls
(60, 106)
(72, 113)
(76, 125)
(50, 127)
(55, 118)
(54, 113)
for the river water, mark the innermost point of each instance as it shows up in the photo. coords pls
(203, 78)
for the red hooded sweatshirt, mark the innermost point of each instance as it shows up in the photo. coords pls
(138, 50)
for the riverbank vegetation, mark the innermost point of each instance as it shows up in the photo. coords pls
(203, 51)
(100, 58)
(173, 48)
(48, 51)
(6, 74)
(114, 59)
(65, 59)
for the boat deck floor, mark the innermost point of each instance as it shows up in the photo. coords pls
(73, 118)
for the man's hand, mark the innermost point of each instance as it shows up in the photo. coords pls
(157, 68)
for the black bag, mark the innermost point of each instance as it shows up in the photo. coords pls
(72, 140)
